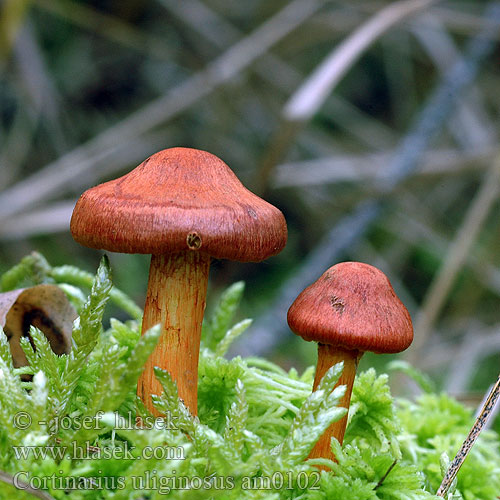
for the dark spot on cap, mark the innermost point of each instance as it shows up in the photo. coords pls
(193, 241)
(252, 213)
(337, 304)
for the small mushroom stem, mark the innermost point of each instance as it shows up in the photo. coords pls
(175, 298)
(328, 356)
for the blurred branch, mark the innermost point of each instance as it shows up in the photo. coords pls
(487, 342)
(272, 69)
(38, 83)
(459, 22)
(366, 167)
(341, 168)
(413, 230)
(12, 14)
(269, 329)
(455, 258)
(462, 22)
(471, 128)
(52, 218)
(308, 99)
(311, 95)
(206, 22)
(351, 168)
(16, 144)
(400, 65)
(465, 360)
(34, 189)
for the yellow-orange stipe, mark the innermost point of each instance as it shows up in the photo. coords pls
(175, 299)
(327, 357)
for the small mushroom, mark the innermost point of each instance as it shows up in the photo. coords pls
(183, 206)
(43, 306)
(350, 309)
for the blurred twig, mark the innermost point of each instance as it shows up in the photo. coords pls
(54, 217)
(308, 99)
(32, 190)
(366, 167)
(455, 258)
(465, 360)
(311, 95)
(462, 22)
(48, 219)
(38, 83)
(12, 15)
(274, 70)
(471, 128)
(268, 330)
(487, 342)
(414, 231)
(16, 144)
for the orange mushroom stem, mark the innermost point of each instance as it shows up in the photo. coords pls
(327, 357)
(176, 299)
(350, 309)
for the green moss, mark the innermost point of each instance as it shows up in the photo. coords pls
(256, 426)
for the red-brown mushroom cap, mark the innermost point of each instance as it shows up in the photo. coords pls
(179, 199)
(354, 306)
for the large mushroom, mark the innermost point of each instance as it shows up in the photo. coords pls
(183, 206)
(350, 309)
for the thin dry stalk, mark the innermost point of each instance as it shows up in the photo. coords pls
(308, 99)
(311, 95)
(364, 168)
(455, 259)
(220, 32)
(479, 424)
(472, 127)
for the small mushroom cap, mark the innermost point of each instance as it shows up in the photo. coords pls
(179, 199)
(354, 306)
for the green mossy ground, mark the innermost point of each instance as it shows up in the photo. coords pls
(256, 424)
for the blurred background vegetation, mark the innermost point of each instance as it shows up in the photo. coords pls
(343, 114)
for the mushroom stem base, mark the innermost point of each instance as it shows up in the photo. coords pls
(176, 296)
(328, 356)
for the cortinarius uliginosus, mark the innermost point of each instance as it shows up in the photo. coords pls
(182, 206)
(350, 309)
